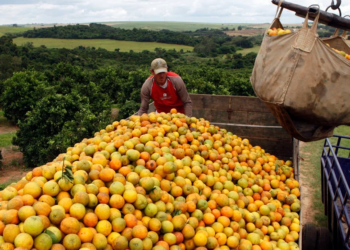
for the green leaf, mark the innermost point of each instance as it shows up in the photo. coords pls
(69, 171)
(177, 212)
(52, 236)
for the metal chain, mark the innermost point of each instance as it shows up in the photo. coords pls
(335, 6)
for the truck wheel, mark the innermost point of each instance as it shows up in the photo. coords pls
(309, 237)
(324, 239)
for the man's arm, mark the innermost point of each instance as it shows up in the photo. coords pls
(145, 96)
(183, 94)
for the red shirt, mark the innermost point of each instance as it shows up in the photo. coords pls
(166, 99)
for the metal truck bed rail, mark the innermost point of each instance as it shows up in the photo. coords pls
(335, 171)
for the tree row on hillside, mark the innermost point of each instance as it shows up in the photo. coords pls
(15, 58)
(101, 31)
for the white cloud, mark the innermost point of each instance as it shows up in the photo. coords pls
(79, 11)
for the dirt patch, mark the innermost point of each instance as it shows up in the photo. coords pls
(12, 162)
(6, 126)
(8, 129)
(11, 175)
(248, 32)
(307, 191)
(13, 166)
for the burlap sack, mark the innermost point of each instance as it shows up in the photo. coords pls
(303, 81)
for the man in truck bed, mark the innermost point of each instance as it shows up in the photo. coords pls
(167, 90)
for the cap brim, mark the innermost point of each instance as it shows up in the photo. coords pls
(160, 70)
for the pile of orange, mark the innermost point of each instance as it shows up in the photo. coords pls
(157, 181)
(274, 31)
(347, 56)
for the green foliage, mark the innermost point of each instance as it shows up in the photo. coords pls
(243, 42)
(25, 89)
(84, 125)
(67, 175)
(67, 78)
(54, 110)
(205, 47)
(101, 31)
(127, 109)
(210, 80)
(21, 93)
(56, 122)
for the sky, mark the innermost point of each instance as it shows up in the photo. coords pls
(206, 11)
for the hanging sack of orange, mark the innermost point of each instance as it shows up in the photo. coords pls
(303, 80)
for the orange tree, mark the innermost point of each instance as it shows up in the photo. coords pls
(67, 108)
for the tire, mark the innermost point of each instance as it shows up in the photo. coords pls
(324, 239)
(309, 237)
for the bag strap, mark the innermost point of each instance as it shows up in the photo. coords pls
(344, 32)
(280, 9)
(336, 33)
(307, 37)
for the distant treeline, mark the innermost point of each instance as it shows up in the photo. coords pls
(205, 41)
(227, 74)
(101, 31)
(16, 58)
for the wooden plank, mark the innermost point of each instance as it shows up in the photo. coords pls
(258, 132)
(221, 116)
(283, 149)
(221, 102)
(326, 18)
(238, 117)
(258, 118)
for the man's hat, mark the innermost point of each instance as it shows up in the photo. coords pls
(159, 65)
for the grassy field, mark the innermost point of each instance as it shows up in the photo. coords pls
(6, 139)
(311, 154)
(3, 121)
(108, 44)
(246, 51)
(174, 26)
(6, 29)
